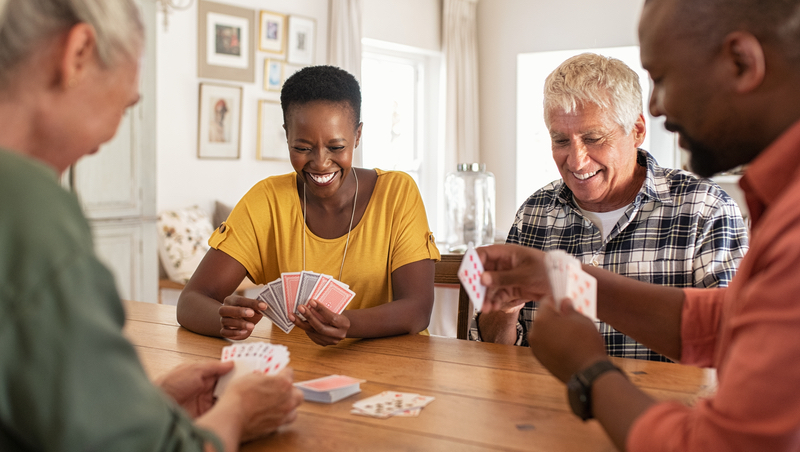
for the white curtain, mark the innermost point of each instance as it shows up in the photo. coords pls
(460, 43)
(344, 42)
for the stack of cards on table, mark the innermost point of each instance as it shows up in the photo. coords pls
(291, 290)
(250, 357)
(390, 403)
(568, 280)
(469, 273)
(329, 389)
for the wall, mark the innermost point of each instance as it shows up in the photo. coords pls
(182, 178)
(509, 27)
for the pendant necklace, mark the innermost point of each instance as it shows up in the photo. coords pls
(350, 228)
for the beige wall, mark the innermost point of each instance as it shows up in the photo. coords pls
(509, 27)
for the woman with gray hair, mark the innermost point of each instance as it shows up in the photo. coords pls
(69, 380)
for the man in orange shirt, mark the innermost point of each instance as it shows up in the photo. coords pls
(725, 75)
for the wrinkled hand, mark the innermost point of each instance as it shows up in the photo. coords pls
(239, 315)
(264, 402)
(323, 326)
(513, 274)
(565, 341)
(191, 385)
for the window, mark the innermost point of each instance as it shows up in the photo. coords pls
(400, 110)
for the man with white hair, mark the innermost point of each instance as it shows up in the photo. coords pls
(614, 207)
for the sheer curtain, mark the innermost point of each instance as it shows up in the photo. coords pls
(460, 43)
(344, 43)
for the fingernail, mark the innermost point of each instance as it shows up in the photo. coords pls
(248, 313)
(262, 306)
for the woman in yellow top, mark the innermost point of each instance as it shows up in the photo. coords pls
(369, 226)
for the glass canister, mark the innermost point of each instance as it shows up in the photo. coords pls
(469, 200)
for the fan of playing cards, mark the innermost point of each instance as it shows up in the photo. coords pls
(251, 357)
(295, 289)
(568, 280)
(469, 273)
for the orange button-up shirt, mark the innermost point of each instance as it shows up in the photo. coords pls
(750, 332)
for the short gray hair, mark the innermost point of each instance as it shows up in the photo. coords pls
(591, 78)
(24, 23)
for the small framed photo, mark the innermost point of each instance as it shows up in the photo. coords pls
(225, 42)
(302, 36)
(272, 33)
(273, 75)
(271, 135)
(220, 121)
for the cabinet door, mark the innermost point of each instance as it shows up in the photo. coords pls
(108, 183)
(128, 249)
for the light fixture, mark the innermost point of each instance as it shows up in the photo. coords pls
(167, 6)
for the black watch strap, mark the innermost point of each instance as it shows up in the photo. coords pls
(579, 387)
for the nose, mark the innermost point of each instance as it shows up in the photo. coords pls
(655, 105)
(320, 158)
(577, 155)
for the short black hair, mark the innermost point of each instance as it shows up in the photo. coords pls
(325, 83)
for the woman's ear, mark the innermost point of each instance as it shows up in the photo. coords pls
(79, 54)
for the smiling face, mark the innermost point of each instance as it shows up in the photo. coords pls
(596, 158)
(321, 139)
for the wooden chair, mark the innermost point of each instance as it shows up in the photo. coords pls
(447, 274)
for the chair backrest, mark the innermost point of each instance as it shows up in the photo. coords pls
(447, 273)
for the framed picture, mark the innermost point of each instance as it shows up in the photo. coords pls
(271, 136)
(273, 75)
(220, 121)
(272, 33)
(302, 36)
(290, 69)
(225, 47)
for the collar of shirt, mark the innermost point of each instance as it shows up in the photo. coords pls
(655, 187)
(771, 171)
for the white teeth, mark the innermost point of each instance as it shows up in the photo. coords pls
(322, 179)
(584, 176)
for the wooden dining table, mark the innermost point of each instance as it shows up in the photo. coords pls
(487, 396)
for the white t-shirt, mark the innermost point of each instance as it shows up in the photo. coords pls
(604, 221)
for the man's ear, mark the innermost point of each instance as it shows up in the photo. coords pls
(747, 61)
(80, 54)
(639, 130)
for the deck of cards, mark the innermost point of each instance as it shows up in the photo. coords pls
(329, 389)
(469, 273)
(390, 403)
(250, 357)
(568, 280)
(291, 290)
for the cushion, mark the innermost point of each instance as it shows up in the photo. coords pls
(183, 241)
(221, 213)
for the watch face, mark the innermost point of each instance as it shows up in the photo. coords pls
(578, 398)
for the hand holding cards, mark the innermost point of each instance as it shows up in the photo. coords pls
(568, 280)
(291, 290)
(469, 273)
(249, 357)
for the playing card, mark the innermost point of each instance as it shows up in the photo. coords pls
(308, 280)
(275, 306)
(328, 383)
(568, 280)
(291, 282)
(390, 403)
(469, 273)
(335, 296)
(249, 357)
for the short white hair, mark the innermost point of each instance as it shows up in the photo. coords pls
(591, 78)
(25, 23)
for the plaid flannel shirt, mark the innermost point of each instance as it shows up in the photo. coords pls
(680, 231)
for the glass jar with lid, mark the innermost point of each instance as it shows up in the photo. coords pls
(470, 205)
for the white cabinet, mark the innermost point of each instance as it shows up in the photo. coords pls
(116, 187)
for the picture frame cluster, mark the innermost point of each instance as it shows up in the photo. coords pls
(230, 40)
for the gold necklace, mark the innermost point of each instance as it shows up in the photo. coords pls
(350, 228)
